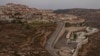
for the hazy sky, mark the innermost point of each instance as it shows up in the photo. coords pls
(56, 4)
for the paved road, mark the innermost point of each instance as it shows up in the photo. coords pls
(50, 42)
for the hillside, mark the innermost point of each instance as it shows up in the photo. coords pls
(92, 16)
(22, 39)
(92, 48)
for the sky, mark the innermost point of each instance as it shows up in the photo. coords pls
(56, 4)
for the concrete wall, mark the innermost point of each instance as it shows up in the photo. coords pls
(80, 46)
(59, 35)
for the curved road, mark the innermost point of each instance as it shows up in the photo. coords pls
(49, 46)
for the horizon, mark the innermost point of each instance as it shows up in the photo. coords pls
(54, 4)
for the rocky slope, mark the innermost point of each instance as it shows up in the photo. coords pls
(92, 48)
(18, 39)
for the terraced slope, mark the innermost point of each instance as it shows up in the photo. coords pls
(20, 39)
